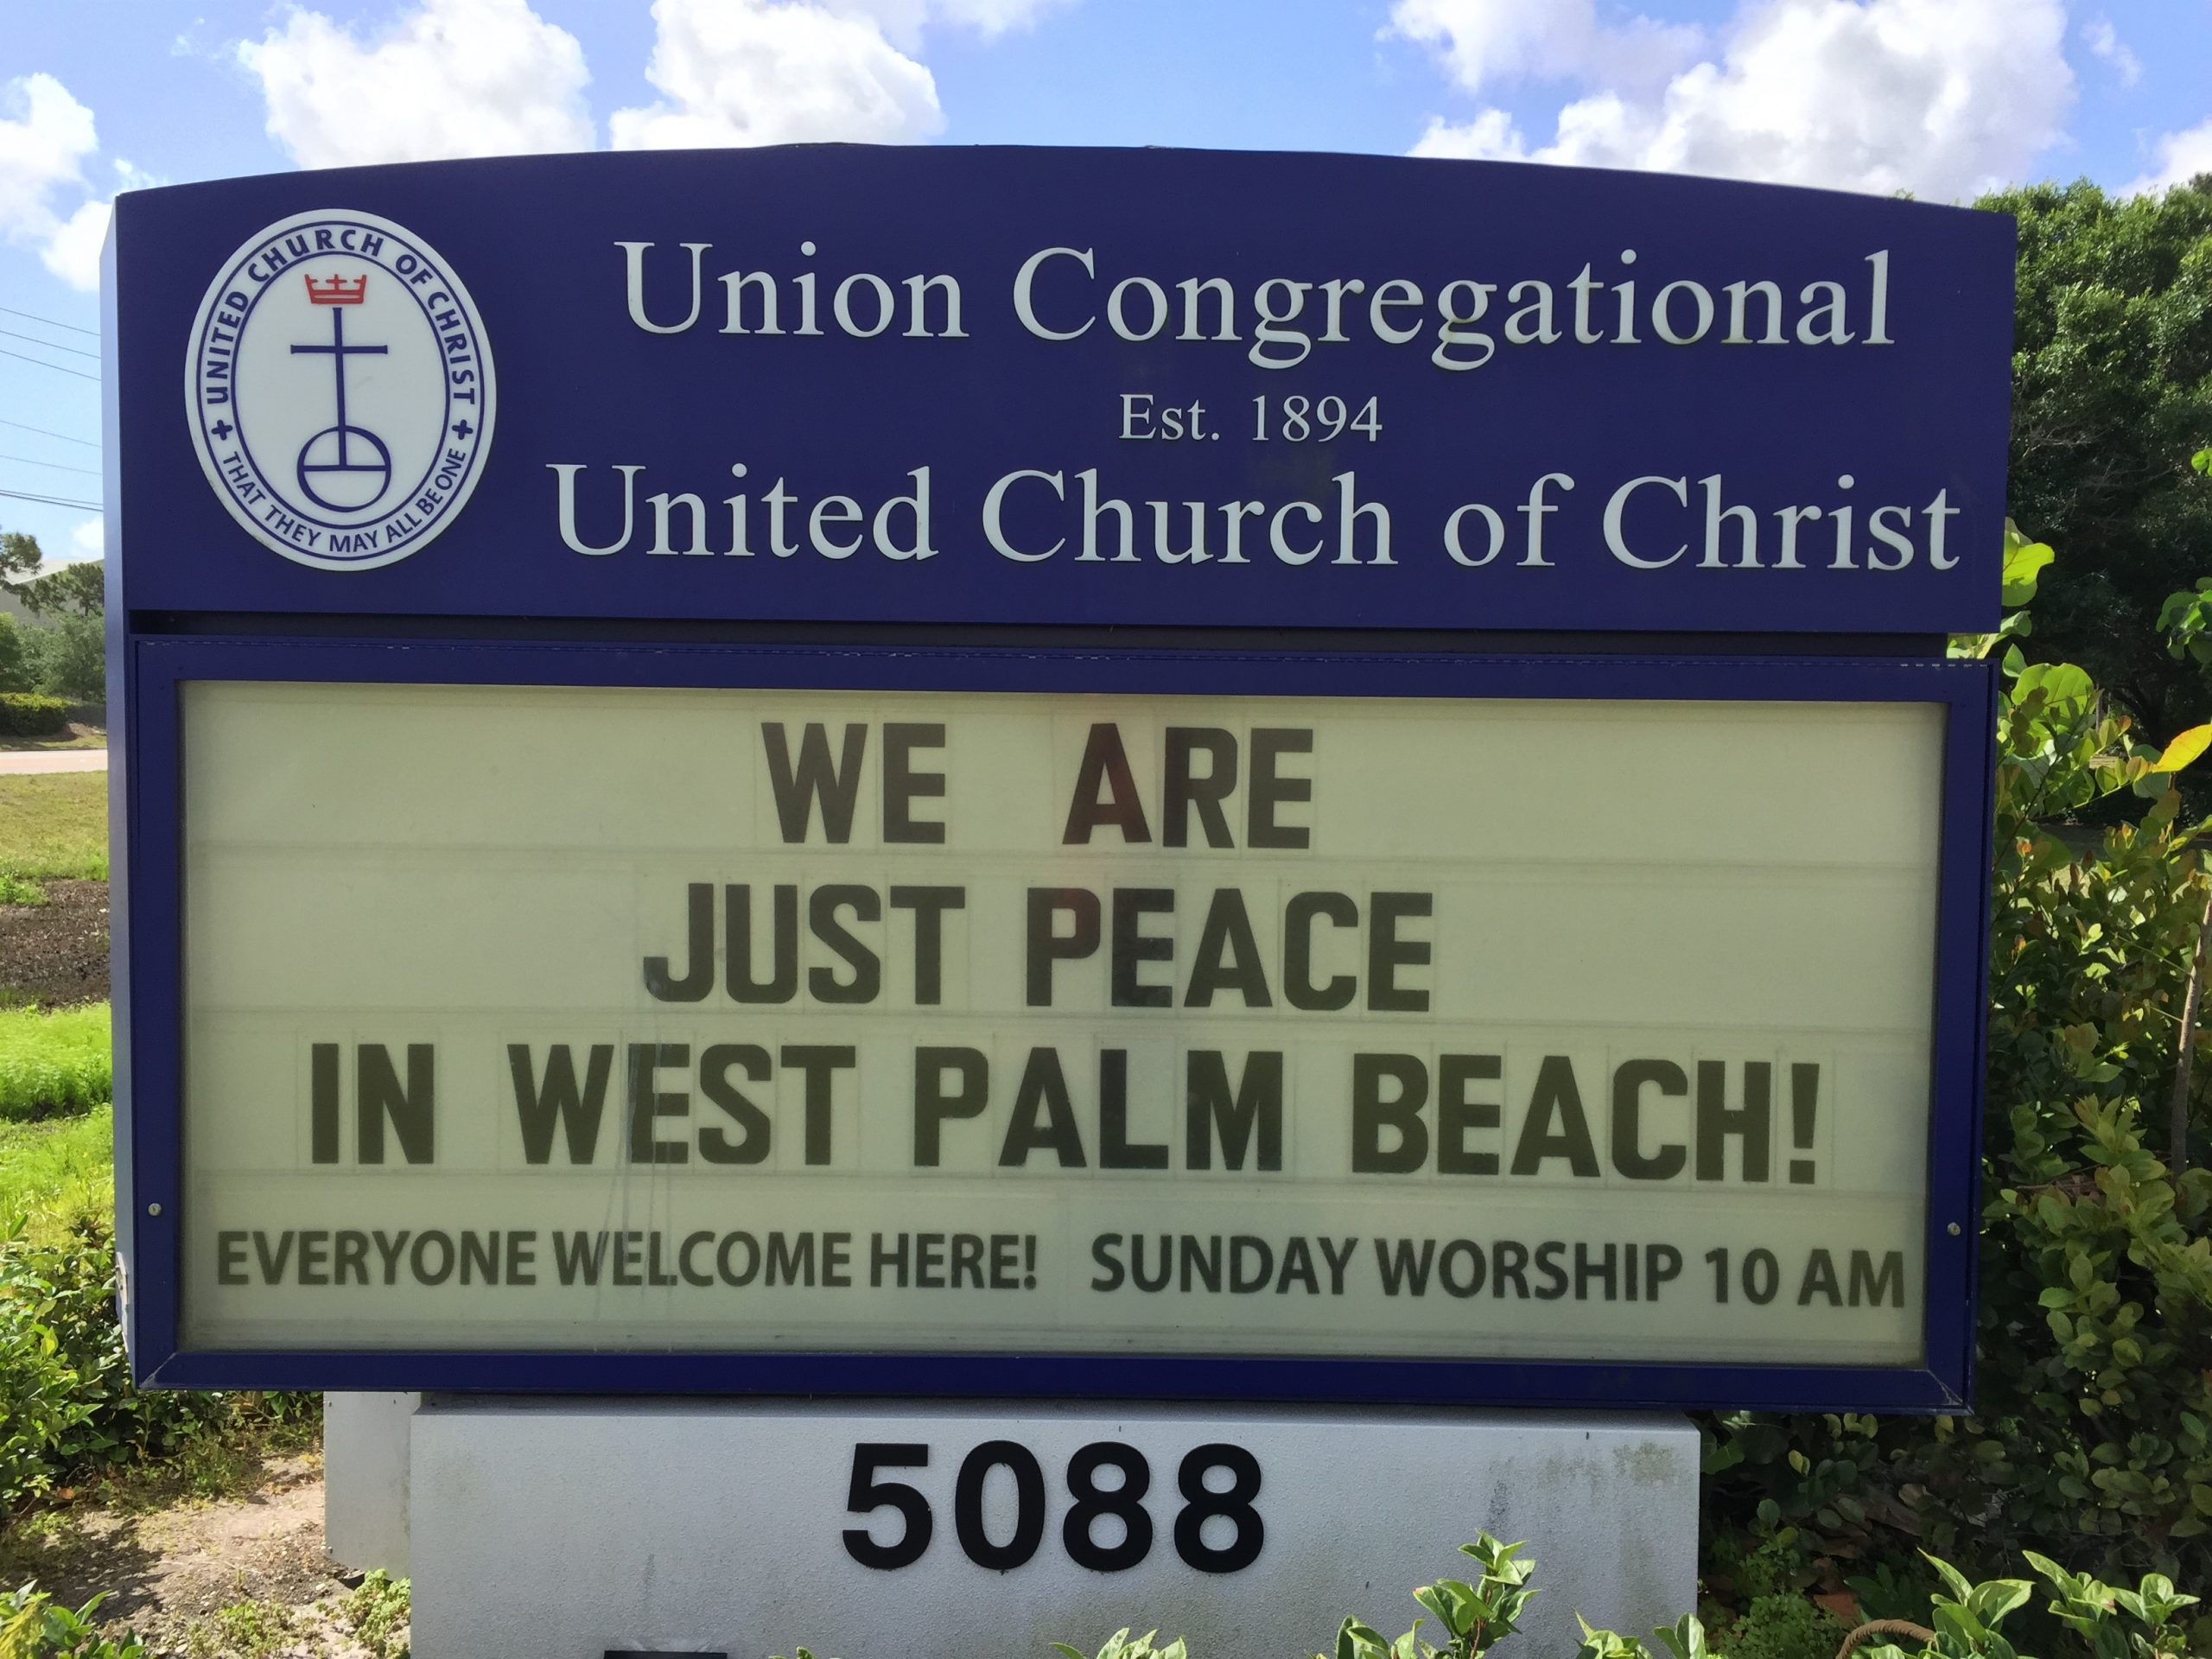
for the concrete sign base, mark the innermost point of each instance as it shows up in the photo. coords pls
(365, 1439)
(564, 1530)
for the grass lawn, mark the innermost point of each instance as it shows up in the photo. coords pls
(54, 1063)
(57, 1172)
(53, 826)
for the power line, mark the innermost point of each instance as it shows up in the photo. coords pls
(43, 433)
(50, 345)
(59, 368)
(49, 321)
(33, 461)
(52, 500)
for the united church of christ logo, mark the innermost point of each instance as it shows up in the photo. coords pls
(340, 391)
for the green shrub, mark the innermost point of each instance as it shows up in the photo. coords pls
(246, 1629)
(1120, 1646)
(377, 1611)
(26, 713)
(2093, 1621)
(117, 1423)
(33, 1625)
(70, 1408)
(14, 665)
(51, 1064)
(1783, 1626)
(1473, 1618)
(67, 658)
(39, 1406)
(2092, 1435)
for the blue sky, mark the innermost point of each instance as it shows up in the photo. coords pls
(1939, 97)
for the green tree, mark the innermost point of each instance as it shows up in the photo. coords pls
(69, 590)
(66, 590)
(15, 661)
(2112, 395)
(19, 559)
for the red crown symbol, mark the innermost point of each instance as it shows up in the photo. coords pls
(337, 291)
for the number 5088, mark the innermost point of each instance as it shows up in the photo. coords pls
(1124, 1501)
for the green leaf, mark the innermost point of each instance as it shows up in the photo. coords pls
(1954, 1580)
(1992, 1601)
(1685, 1639)
(2024, 560)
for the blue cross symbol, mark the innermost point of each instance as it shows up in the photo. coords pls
(360, 477)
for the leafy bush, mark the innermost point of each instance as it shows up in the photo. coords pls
(119, 1424)
(15, 666)
(67, 1405)
(1473, 1618)
(54, 1063)
(26, 713)
(2103, 1621)
(377, 1611)
(246, 1629)
(39, 1405)
(67, 658)
(1120, 1646)
(33, 1625)
(1783, 1626)
(2092, 1436)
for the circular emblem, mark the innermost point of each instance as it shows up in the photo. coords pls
(340, 391)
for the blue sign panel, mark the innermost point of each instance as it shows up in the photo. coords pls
(647, 857)
(1065, 387)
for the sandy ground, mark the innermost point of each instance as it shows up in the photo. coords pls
(52, 760)
(173, 1572)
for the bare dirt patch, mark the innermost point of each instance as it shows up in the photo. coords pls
(55, 954)
(205, 1579)
(75, 734)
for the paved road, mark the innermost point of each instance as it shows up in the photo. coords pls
(18, 760)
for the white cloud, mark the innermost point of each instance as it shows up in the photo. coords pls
(991, 18)
(1491, 137)
(771, 71)
(456, 78)
(1942, 97)
(1483, 42)
(45, 136)
(72, 251)
(902, 21)
(2182, 157)
(2103, 40)
(451, 78)
(87, 541)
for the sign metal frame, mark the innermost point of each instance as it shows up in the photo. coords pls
(148, 833)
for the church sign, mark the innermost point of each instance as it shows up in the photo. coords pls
(1053, 772)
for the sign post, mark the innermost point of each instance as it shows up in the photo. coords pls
(1292, 787)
